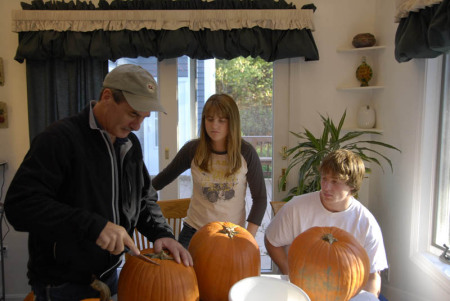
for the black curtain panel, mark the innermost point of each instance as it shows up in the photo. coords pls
(424, 34)
(57, 88)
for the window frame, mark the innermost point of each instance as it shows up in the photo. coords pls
(443, 150)
(423, 252)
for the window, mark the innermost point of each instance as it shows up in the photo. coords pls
(148, 133)
(441, 227)
(425, 223)
(248, 80)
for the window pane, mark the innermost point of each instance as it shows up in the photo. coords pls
(148, 132)
(442, 212)
(249, 82)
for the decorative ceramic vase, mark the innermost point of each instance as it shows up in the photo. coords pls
(364, 73)
(364, 40)
(366, 117)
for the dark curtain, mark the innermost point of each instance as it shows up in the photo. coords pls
(65, 69)
(58, 88)
(270, 45)
(424, 34)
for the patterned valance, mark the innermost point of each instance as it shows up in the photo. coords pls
(404, 7)
(195, 20)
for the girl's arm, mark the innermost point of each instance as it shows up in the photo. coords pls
(256, 184)
(252, 228)
(179, 164)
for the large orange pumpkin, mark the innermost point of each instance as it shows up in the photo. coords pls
(223, 254)
(328, 263)
(169, 281)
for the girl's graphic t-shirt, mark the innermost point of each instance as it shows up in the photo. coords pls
(216, 197)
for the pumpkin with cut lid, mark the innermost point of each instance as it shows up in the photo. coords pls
(328, 263)
(169, 281)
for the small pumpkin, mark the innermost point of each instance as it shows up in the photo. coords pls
(223, 254)
(328, 263)
(169, 281)
(29, 297)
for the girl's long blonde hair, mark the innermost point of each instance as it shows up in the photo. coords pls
(223, 106)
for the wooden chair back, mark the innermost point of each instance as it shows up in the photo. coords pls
(174, 211)
(276, 206)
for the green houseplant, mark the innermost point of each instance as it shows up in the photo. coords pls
(310, 151)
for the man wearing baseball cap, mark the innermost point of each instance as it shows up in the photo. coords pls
(83, 188)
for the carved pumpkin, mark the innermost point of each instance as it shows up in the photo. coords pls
(169, 281)
(223, 254)
(328, 263)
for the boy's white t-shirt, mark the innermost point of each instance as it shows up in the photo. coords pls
(306, 211)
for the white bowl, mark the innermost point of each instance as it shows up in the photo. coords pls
(261, 288)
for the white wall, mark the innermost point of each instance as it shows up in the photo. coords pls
(314, 84)
(14, 144)
(399, 113)
(395, 195)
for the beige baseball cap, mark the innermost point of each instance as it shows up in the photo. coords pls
(137, 85)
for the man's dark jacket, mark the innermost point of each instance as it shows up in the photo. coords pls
(65, 192)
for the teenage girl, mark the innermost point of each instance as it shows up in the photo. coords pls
(222, 164)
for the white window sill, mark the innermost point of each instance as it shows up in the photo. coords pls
(438, 264)
(436, 269)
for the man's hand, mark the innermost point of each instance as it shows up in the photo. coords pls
(178, 252)
(114, 238)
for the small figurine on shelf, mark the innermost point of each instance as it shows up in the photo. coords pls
(366, 117)
(364, 40)
(364, 73)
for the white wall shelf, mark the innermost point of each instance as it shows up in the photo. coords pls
(359, 88)
(353, 49)
(361, 130)
(354, 87)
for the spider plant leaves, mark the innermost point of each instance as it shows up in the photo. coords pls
(309, 152)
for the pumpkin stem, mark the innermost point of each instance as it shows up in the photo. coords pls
(105, 293)
(161, 255)
(229, 231)
(329, 238)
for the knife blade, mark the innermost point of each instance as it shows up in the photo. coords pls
(143, 257)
